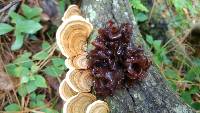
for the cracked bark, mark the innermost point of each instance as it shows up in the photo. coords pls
(151, 95)
(113, 15)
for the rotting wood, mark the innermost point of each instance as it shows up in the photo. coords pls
(151, 95)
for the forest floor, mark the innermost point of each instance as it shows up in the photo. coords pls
(32, 67)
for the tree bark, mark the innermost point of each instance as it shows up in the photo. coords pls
(150, 95)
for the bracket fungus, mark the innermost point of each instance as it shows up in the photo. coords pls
(98, 107)
(65, 91)
(77, 62)
(71, 10)
(79, 80)
(113, 63)
(78, 103)
(72, 34)
(71, 38)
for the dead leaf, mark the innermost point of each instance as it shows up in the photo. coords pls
(6, 83)
(50, 11)
(53, 82)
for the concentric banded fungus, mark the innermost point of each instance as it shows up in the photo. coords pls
(77, 62)
(72, 36)
(79, 80)
(72, 39)
(115, 60)
(78, 103)
(71, 10)
(65, 91)
(98, 107)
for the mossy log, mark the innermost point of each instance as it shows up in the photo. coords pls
(150, 95)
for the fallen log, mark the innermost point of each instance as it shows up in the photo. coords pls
(150, 95)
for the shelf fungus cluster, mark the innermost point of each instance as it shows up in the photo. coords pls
(76, 87)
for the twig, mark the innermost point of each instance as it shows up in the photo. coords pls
(9, 5)
(5, 15)
(150, 15)
(44, 62)
(27, 101)
(22, 102)
(16, 97)
(1, 64)
(184, 81)
(7, 48)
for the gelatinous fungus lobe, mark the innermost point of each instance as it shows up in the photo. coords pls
(115, 60)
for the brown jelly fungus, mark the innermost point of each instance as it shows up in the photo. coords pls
(115, 60)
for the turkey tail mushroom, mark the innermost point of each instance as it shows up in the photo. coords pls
(98, 107)
(77, 62)
(79, 80)
(71, 10)
(71, 38)
(65, 91)
(72, 35)
(78, 103)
